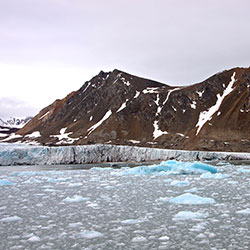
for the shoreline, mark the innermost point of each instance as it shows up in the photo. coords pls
(13, 154)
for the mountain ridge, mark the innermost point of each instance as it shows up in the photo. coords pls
(119, 108)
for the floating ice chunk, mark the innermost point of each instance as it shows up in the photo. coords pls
(32, 180)
(189, 215)
(102, 169)
(244, 211)
(11, 219)
(171, 167)
(34, 238)
(199, 227)
(75, 198)
(89, 235)
(192, 190)
(243, 170)
(76, 184)
(179, 183)
(164, 238)
(190, 199)
(139, 239)
(59, 179)
(216, 176)
(132, 221)
(167, 180)
(24, 173)
(4, 182)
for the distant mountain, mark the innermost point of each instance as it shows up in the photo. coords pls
(119, 108)
(14, 122)
(12, 125)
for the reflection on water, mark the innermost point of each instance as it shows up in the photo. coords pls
(49, 207)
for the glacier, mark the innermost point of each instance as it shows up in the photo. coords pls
(19, 154)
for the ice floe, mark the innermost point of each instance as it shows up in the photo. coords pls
(216, 176)
(75, 198)
(179, 183)
(189, 215)
(11, 219)
(190, 199)
(89, 235)
(244, 211)
(4, 182)
(171, 168)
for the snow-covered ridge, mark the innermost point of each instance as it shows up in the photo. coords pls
(13, 154)
(14, 122)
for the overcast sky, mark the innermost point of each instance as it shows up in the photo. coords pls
(49, 48)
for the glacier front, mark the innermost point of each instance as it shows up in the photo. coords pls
(19, 154)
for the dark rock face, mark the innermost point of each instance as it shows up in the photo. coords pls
(120, 108)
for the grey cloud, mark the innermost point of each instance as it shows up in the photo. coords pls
(173, 41)
(13, 106)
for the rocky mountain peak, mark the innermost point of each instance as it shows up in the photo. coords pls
(119, 108)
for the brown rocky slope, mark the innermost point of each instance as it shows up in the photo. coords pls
(119, 108)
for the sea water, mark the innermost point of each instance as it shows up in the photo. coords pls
(169, 205)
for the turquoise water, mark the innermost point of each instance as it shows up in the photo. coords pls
(116, 207)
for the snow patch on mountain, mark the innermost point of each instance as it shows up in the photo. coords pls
(64, 137)
(123, 106)
(44, 115)
(34, 134)
(207, 115)
(157, 132)
(95, 126)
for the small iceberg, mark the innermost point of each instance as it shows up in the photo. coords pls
(190, 199)
(89, 235)
(132, 221)
(244, 170)
(244, 211)
(216, 176)
(179, 183)
(75, 198)
(171, 168)
(188, 215)
(11, 219)
(5, 182)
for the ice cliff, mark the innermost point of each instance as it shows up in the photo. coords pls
(12, 154)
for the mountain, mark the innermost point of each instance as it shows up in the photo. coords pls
(12, 125)
(14, 122)
(119, 108)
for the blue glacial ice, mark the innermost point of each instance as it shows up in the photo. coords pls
(244, 170)
(189, 199)
(5, 182)
(171, 168)
(189, 215)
